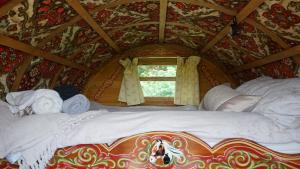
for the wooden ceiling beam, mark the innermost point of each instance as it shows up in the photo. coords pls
(162, 19)
(12, 43)
(8, 6)
(272, 58)
(20, 72)
(56, 76)
(248, 9)
(75, 4)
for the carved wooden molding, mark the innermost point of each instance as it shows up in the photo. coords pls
(9, 42)
(248, 9)
(75, 4)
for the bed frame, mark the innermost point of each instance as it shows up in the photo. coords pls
(170, 150)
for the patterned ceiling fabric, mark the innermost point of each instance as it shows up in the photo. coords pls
(38, 74)
(231, 4)
(71, 39)
(128, 14)
(255, 41)
(90, 5)
(192, 38)
(101, 55)
(284, 68)
(65, 76)
(87, 55)
(50, 14)
(208, 19)
(282, 17)
(81, 80)
(135, 36)
(18, 23)
(10, 59)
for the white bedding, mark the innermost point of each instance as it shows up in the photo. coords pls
(96, 127)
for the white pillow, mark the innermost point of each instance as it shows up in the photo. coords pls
(256, 86)
(282, 102)
(242, 103)
(224, 98)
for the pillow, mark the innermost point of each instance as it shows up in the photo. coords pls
(217, 96)
(224, 98)
(242, 103)
(256, 86)
(283, 102)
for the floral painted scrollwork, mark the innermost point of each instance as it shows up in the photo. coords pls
(167, 150)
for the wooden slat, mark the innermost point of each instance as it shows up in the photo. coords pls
(248, 9)
(8, 6)
(272, 58)
(20, 72)
(157, 78)
(78, 50)
(87, 17)
(162, 19)
(208, 5)
(59, 30)
(9, 42)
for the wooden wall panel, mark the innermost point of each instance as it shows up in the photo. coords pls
(104, 86)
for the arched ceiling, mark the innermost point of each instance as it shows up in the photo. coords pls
(64, 41)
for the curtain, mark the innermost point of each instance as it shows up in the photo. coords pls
(187, 81)
(131, 90)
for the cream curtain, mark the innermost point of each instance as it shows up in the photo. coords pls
(131, 90)
(187, 81)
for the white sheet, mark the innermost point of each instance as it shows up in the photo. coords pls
(106, 127)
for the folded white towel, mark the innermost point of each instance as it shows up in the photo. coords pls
(47, 101)
(76, 104)
(42, 101)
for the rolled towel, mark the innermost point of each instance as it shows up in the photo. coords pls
(47, 101)
(20, 100)
(76, 104)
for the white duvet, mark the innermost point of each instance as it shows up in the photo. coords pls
(36, 137)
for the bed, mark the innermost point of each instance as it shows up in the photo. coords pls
(163, 138)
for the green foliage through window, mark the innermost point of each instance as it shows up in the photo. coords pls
(157, 70)
(158, 88)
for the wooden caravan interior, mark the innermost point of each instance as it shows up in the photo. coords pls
(48, 43)
(51, 43)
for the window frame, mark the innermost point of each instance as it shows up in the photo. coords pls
(170, 61)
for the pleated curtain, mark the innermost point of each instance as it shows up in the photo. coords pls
(131, 90)
(187, 81)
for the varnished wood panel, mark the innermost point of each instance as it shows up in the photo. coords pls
(104, 86)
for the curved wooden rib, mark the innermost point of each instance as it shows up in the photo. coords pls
(187, 151)
(8, 6)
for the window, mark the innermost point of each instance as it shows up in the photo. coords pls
(158, 80)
